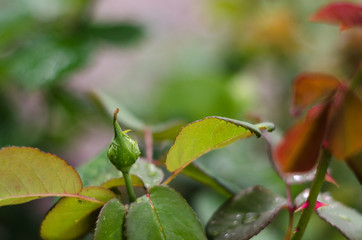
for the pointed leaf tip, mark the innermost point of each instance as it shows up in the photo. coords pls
(205, 135)
(345, 130)
(246, 214)
(300, 147)
(309, 88)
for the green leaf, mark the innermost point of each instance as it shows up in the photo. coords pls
(207, 134)
(148, 172)
(162, 131)
(346, 220)
(110, 221)
(166, 130)
(195, 172)
(120, 33)
(245, 215)
(163, 214)
(28, 173)
(99, 170)
(108, 105)
(71, 218)
(15, 23)
(45, 60)
(116, 182)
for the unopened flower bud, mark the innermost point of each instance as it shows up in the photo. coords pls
(123, 150)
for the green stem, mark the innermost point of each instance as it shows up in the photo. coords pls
(129, 187)
(313, 194)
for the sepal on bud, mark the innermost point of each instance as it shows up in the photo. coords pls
(123, 150)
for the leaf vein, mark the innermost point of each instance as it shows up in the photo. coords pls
(157, 217)
(212, 133)
(20, 180)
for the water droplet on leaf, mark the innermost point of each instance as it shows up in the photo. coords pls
(151, 170)
(250, 217)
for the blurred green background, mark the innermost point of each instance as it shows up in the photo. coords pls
(163, 60)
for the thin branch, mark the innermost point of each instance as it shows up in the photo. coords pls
(291, 213)
(313, 194)
(129, 187)
(149, 144)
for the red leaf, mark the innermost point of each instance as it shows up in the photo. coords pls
(300, 147)
(345, 14)
(311, 87)
(344, 135)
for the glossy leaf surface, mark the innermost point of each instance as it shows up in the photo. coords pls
(71, 218)
(110, 221)
(311, 87)
(28, 173)
(300, 147)
(344, 135)
(99, 170)
(245, 215)
(195, 172)
(345, 14)
(207, 134)
(347, 220)
(163, 214)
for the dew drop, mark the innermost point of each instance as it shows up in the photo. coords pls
(297, 178)
(250, 217)
(238, 216)
(226, 235)
(151, 170)
(305, 194)
(235, 222)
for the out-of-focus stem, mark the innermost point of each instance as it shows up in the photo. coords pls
(291, 213)
(149, 144)
(313, 194)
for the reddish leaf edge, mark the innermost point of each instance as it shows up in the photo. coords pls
(335, 13)
(37, 196)
(252, 128)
